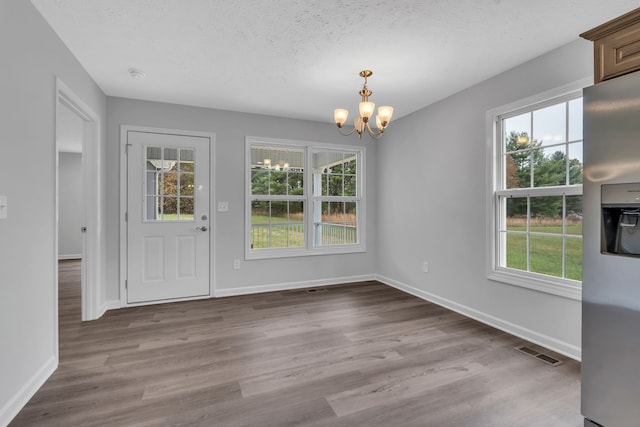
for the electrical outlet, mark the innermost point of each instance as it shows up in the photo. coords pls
(425, 267)
(236, 264)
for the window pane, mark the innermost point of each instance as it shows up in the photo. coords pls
(152, 183)
(518, 169)
(325, 185)
(271, 157)
(575, 119)
(154, 153)
(574, 215)
(335, 183)
(186, 184)
(549, 125)
(517, 213)
(574, 258)
(338, 224)
(338, 173)
(187, 166)
(516, 250)
(550, 166)
(278, 182)
(546, 214)
(259, 181)
(151, 209)
(575, 163)
(277, 224)
(186, 156)
(260, 212)
(296, 183)
(169, 209)
(186, 208)
(350, 185)
(350, 165)
(517, 130)
(170, 184)
(170, 154)
(541, 234)
(546, 255)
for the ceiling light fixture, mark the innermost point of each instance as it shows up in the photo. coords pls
(366, 109)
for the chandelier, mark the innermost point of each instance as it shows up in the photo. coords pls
(366, 108)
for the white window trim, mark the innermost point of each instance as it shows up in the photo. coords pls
(308, 249)
(553, 285)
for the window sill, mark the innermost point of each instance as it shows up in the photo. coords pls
(566, 288)
(301, 252)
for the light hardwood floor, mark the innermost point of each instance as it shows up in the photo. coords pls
(355, 355)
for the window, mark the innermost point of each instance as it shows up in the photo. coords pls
(302, 199)
(537, 197)
(169, 184)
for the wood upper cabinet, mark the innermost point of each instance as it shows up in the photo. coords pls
(616, 46)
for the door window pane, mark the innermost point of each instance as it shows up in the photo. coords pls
(169, 179)
(186, 208)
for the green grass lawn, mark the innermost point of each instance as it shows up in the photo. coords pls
(174, 217)
(289, 235)
(545, 255)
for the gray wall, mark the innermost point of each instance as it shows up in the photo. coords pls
(32, 56)
(228, 165)
(439, 183)
(442, 187)
(70, 205)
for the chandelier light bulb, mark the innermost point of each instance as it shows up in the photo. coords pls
(385, 112)
(340, 116)
(366, 110)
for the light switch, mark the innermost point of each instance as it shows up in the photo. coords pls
(3, 207)
(223, 206)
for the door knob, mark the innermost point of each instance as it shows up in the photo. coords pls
(203, 228)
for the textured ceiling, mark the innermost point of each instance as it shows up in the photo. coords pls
(301, 58)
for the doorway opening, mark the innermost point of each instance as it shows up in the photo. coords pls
(77, 228)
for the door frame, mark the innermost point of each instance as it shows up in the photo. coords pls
(124, 129)
(91, 282)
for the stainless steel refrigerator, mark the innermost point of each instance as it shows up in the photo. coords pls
(611, 254)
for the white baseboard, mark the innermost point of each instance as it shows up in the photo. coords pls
(561, 347)
(245, 290)
(13, 406)
(108, 305)
(72, 256)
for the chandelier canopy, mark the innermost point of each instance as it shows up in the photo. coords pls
(366, 109)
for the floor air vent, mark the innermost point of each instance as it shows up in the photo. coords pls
(316, 290)
(540, 356)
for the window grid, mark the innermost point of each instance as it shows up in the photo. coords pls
(327, 188)
(507, 237)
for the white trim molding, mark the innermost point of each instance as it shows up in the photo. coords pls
(124, 129)
(9, 411)
(92, 193)
(561, 347)
(256, 289)
(562, 287)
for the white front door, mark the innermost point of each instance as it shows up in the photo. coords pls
(167, 216)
